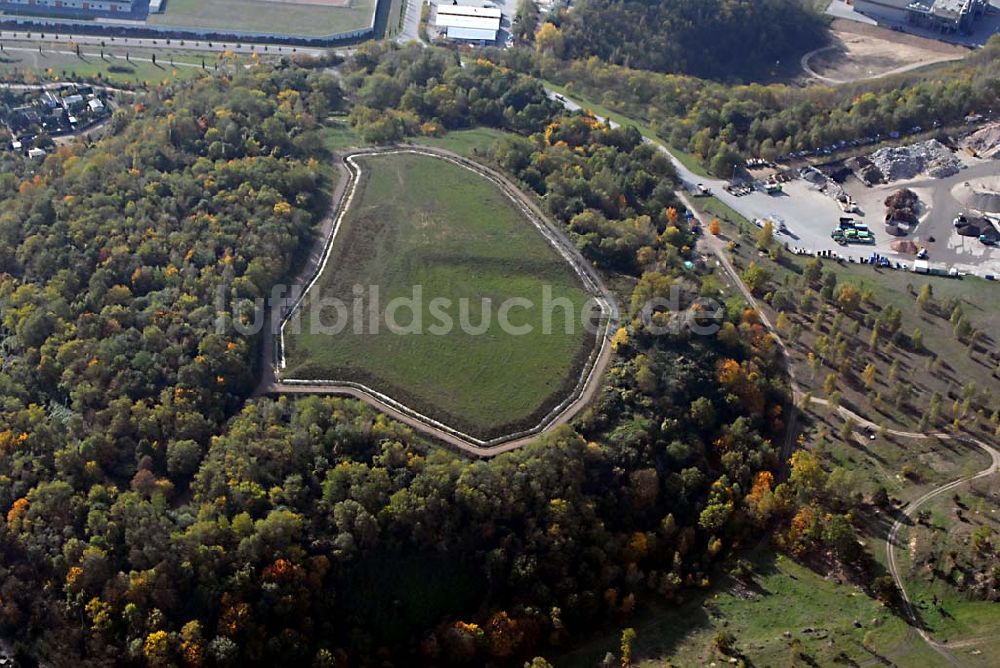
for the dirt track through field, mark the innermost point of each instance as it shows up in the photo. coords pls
(861, 52)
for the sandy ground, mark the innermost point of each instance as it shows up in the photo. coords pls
(862, 51)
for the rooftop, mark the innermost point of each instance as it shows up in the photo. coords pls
(465, 10)
(485, 34)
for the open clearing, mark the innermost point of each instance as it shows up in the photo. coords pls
(265, 17)
(967, 624)
(861, 52)
(421, 220)
(783, 596)
(58, 59)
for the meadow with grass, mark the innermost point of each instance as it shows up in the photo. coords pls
(419, 220)
(119, 65)
(266, 16)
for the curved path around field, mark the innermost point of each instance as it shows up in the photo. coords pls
(909, 512)
(590, 378)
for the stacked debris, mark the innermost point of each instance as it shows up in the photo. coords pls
(984, 142)
(865, 170)
(978, 228)
(902, 208)
(904, 247)
(907, 162)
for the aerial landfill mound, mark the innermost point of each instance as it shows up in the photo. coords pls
(984, 142)
(930, 157)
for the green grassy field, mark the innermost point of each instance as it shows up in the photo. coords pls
(474, 143)
(420, 220)
(783, 596)
(338, 135)
(50, 63)
(267, 17)
(965, 623)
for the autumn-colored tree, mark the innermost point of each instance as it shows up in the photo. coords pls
(17, 510)
(803, 530)
(192, 644)
(503, 634)
(781, 322)
(760, 500)
(736, 379)
(715, 227)
(619, 339)
(549, 39)
(807, 476)
(925, 297)
(627, 641)
(156, 648)
(765, 237)
(848, 297)
(868, 376)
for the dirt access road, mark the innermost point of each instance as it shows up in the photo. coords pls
(861, 51)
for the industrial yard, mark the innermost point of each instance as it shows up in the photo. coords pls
(809, 208)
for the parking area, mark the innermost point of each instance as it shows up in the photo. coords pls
(806, 213)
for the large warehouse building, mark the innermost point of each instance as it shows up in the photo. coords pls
(128, 9)
(942, 15)
(469, 24)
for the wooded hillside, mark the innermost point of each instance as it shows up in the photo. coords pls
(719, 39)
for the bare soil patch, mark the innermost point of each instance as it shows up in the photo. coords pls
(861, 51)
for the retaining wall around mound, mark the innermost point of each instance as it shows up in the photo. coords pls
(580, 389)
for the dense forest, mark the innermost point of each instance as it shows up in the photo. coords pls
(153, 514)
(722, 124)
(718, 39)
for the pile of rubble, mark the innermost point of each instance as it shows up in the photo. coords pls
(907, 162)
(985, 142)
(865, 170)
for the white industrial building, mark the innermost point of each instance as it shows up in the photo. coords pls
(468, 24)
(943, 15)
(893, 10)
